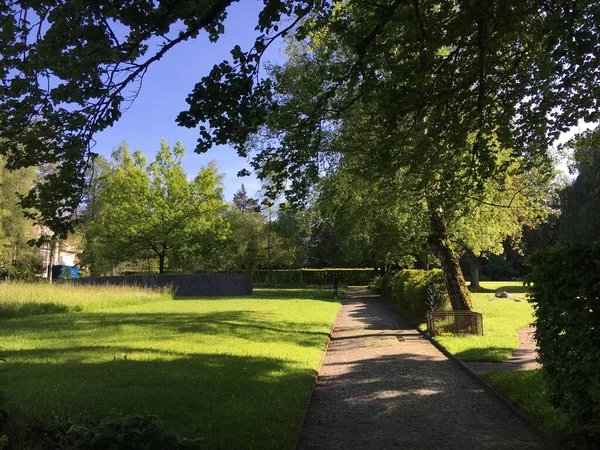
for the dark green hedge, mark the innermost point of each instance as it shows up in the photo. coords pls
(565, 292)
(414, 292)
(298, 277)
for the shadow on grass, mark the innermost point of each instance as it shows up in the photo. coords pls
(485, 354)
(11, 310)
(246, 325)
(229, 401)
(277, 294)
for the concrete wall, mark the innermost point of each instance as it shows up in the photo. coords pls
(184, 285)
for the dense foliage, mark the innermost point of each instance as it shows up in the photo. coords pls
(580, 201)
(414, 292)
(17, 258)
(565, 291)
(153, 211)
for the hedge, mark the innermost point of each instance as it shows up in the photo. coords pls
(298, 277)
(414, 292)
(565, 292)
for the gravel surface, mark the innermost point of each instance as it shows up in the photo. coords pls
(383, 386)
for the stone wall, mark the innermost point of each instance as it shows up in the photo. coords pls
(184, 285)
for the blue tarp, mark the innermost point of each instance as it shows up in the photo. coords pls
(60, 269)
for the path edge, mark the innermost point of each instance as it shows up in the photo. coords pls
(314, 384)
(484, 384)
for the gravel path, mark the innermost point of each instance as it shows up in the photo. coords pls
(383, 386)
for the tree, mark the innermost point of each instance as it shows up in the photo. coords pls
(445, 88)
(291, 229)
(17, 257)
(523, 199)
(244, 203)
(69, 70)
(448, 85)
(376, 223)
(65, 72)
(580, 202)
(152, 209)
(246, 249)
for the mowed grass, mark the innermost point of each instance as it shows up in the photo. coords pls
(527, 389)
(236, 372)
(502, 317)
(29, 299)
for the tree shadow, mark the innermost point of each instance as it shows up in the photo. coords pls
(276, 294)
(25, 309)
(228, 401)
(247, 325)
(408, 401)
(484, 354)
(385, 386)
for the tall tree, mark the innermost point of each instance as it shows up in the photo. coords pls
(152, 209)
(17, 257)
(506, 206)
(522, 70)
(244, 203)
(442, 88)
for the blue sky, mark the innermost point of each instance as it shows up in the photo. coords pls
(166, 85)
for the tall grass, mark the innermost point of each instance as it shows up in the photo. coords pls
(28, 299)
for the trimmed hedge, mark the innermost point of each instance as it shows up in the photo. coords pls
(414, 292)
(299, 277)
(565, 292)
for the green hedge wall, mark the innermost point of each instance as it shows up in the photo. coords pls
(298, 277)
(565, 292)
(414, 292)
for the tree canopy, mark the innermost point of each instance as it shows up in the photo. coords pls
(512, 71)
(154, 210)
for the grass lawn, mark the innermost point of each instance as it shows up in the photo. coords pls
(502, 317)
(233, 371)
(527, 390)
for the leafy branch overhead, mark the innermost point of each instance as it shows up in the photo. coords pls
(435, 76)
(69, 70)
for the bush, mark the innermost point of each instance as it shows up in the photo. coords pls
(414, 292)
(565, 292)
(142, 431)
(299, 277)
(376, 285)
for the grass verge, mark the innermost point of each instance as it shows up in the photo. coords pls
(527, 390)
(235, 372)
(502, 317)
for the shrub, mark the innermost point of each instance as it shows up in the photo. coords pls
(299, 277)
(414, 292)
(142, 431)
(376, 284)
(565, 292)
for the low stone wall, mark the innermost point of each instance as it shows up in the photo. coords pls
(184, 285)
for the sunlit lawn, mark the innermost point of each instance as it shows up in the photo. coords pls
(502, 317)
(234, 371)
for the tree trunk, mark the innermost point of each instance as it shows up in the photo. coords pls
(453, 276)
(474, 271)
(161, 264)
